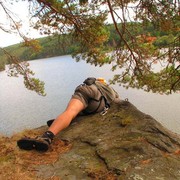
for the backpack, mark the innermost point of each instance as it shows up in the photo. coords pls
(90, 81)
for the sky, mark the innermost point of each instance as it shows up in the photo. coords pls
(21, 10)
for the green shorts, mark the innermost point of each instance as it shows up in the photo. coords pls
(91, 97)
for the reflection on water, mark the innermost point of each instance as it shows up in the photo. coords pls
(21, 108)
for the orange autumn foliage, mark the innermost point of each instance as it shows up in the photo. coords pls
(146, 38)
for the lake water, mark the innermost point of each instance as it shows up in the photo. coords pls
(23, 109)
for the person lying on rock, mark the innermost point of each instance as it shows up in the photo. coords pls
(93, 96)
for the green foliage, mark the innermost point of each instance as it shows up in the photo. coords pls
(22, 68)
(82, 2)
(35, 85)
(134, 41)
(30, 82)
(164, 41)
(2, 65)
(67, 44)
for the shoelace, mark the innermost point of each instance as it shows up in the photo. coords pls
(41, 138)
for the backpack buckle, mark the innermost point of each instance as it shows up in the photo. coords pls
(104, 111)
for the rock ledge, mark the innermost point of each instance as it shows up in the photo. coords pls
(123, 144)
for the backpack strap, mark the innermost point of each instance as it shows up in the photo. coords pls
(107, 105)
(89, 81)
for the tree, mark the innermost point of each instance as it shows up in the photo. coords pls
(85, 21)
(18, 67)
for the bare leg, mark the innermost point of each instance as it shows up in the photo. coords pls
(74, 107)
(42, 143)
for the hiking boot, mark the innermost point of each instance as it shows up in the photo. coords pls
(39, 143)
(26, 143)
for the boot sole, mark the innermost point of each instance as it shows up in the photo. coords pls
(30, 144)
